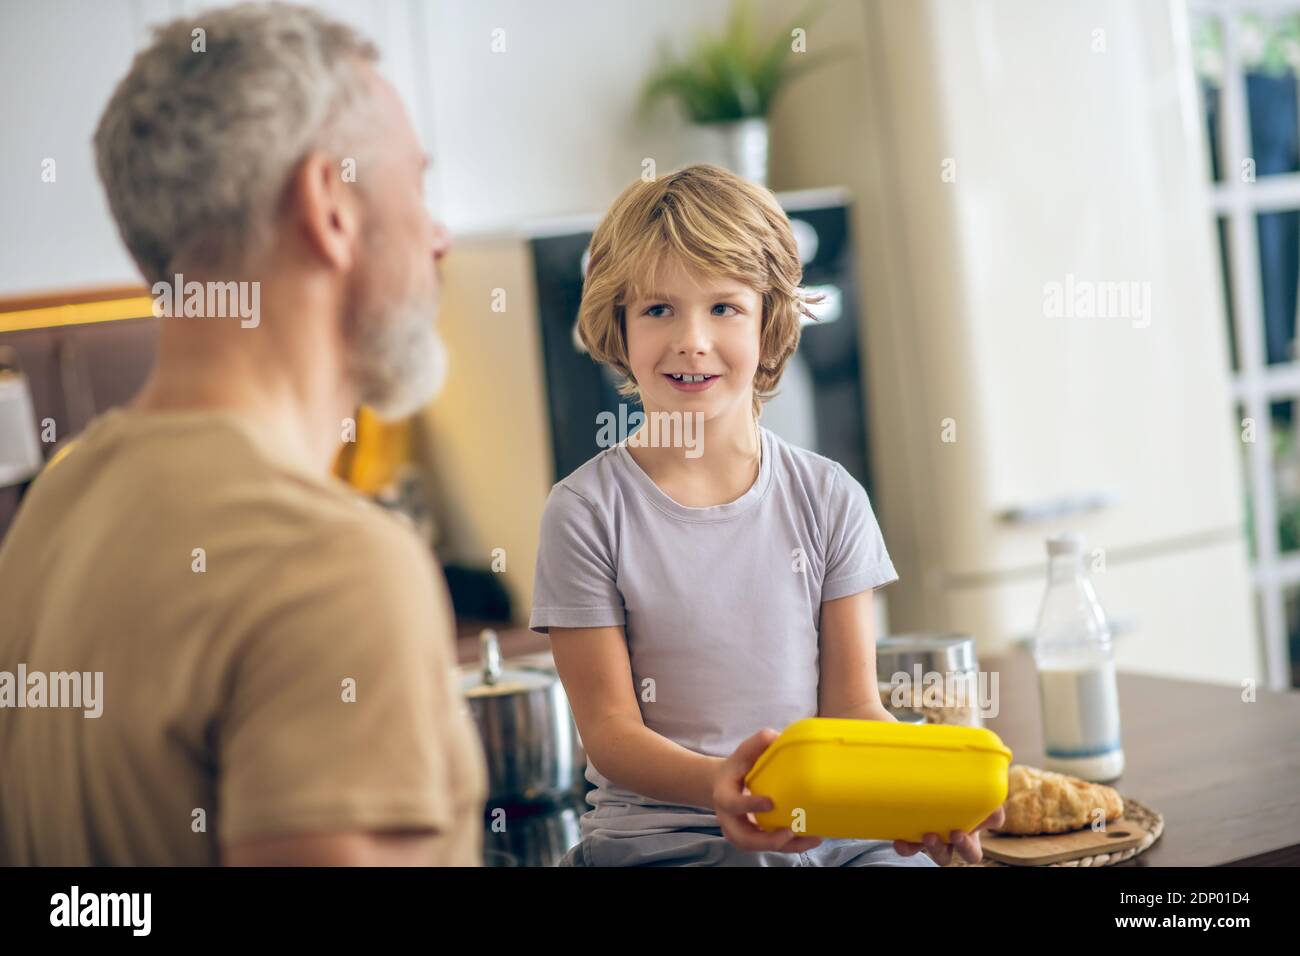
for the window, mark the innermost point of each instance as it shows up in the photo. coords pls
(1247, 57)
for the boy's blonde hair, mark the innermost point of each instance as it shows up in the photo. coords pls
(717, 224)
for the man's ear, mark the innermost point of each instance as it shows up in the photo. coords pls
(326, 210)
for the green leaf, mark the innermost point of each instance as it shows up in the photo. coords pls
(730, 76)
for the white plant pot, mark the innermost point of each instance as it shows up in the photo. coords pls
(740, 146)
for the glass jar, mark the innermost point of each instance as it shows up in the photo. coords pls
(930, 678)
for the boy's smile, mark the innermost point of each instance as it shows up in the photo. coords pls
(691, 383)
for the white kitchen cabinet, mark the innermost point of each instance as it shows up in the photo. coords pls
(1173, 614)
(1005, 147)
(1090, 174)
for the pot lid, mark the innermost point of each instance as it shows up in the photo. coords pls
(489, 678)
(902, 653)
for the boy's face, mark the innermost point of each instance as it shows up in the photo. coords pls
(693, 325)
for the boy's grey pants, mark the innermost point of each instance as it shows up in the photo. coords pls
(706, 846)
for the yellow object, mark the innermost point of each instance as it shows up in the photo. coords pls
(82, 313)
(878, 780)
(371, 459)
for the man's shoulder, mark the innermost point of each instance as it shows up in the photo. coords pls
(215, 479)
(334, 533)
(352, 570)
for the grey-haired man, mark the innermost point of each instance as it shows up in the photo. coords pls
(276, 654)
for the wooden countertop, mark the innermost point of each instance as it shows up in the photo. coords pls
(1224, 773)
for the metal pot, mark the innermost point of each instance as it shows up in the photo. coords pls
(530, 739)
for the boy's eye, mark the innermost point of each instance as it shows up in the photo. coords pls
(662, 310)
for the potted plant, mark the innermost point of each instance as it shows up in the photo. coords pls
(727, 84)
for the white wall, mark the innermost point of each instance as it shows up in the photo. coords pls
(546, 128)
(59, 62)
(549, 127)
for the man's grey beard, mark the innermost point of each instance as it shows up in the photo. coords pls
(400, 362)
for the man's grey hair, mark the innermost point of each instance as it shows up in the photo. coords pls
(200, 137)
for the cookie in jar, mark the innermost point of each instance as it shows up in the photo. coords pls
(931, 678)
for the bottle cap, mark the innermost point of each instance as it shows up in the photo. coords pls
(1068, 542)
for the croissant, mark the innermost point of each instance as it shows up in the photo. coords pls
(1042, 801)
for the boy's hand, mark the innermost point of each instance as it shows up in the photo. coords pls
(733, 803)
(967, 844)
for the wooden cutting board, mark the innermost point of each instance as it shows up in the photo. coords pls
(1041, 850)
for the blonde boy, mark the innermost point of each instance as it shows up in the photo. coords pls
(695, 602)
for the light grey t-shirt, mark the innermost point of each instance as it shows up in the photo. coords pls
(720, 605)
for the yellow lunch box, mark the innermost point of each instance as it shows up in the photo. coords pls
(878, 780)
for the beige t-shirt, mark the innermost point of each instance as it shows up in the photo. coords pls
(294, 675)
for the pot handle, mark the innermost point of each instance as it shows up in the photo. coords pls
(490, 655)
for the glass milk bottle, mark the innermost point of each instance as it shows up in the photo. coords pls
(1076, 670)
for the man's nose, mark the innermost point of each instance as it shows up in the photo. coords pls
(441, 241)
